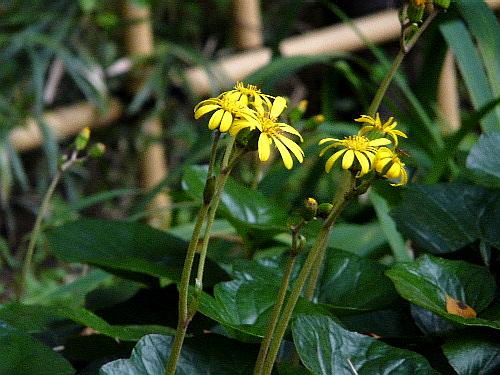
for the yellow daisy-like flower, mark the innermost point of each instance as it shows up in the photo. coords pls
(228, 107)
(272, 131)
(356, 146)
(376, 125)
(251, 94)
(390, 166)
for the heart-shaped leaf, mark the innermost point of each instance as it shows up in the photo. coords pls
(326, 348)
(485, 154)
(36, 318)
(353, 282)
(446, 217)
(243, 207)
(473, 356)
(427, 281)
(210, 354)
(22, 354)
(121, 246)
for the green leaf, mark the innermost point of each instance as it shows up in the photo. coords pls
(473, 356)
(246, 305)
(485, 154)
(124, 246)
(326, 348)
(396, 241)
(21, 354)
(446, 217)
(427, 281)
(208, 354)
(242, 206)
(37, 318)
(352, 282)
(359, 239)
(471, 67)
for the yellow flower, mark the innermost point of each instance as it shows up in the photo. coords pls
(251, 94)
(228, 107)
(273, 131)
(356, 146)
(376, 125)
(390, 166)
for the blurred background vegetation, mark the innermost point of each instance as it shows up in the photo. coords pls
(55, 54)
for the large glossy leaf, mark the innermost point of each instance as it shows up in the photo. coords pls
(206, 355)
(427, 281)
(326, 348)
(121, 246)
(349, 281)
(241, 205)
(485, 154)
(446, 217)
(22, 354)
(472, 69)
(473, 356)
(36, 318)
(246, 305)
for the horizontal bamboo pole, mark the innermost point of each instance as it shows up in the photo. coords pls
(377, 28)
(65, 122)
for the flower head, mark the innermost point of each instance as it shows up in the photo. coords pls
(375, 125)
(388, 164)
(228, 107)
(251, 94)
(354, 147)
(272, 131)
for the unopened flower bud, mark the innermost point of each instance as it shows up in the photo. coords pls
(416, 10)
(324, 210)
(97, 150)
(82, 139)
(310, 208)
(302, 107)
(319, 118)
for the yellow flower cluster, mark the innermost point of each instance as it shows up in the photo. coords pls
(246, 107)
(367, 151)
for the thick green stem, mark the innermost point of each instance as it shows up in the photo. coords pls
(185, 312)
(318, 247)
(278, 305)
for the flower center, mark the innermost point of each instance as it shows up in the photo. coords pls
(357, 142)
(229, 104)
(248, 90)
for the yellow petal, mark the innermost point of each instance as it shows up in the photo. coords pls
(238, 126)
(379, 142)
(285, 154)
(264, 149)
(400, 133)
(322, 152)
(278, 107)
(204, 110)
(365, 118)
(215, 119)
(294, 147)
(394, 171)
(363, 161)
(332, 159)
(348, 159)
(324, 140)
(227, 120)
(365, 129)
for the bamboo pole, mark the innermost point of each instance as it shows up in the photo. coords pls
(139, 41)
(248, 24)
(447, 96)
(65, 122)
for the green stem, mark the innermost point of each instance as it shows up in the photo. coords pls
(280, 299)
(42, 212)
(184, 314)
(320, 243)
(405, 47)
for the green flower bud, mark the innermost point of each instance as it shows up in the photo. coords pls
(444, 4)
(301, 243)
(97, 150)
(82, 139)
(324, 210)
(415, 11)
(209, 190)
(309, 209)
(293, 220)
(248, 139)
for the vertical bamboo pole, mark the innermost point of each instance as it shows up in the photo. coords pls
(447, 96)
(248, 24)
(139, 41)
